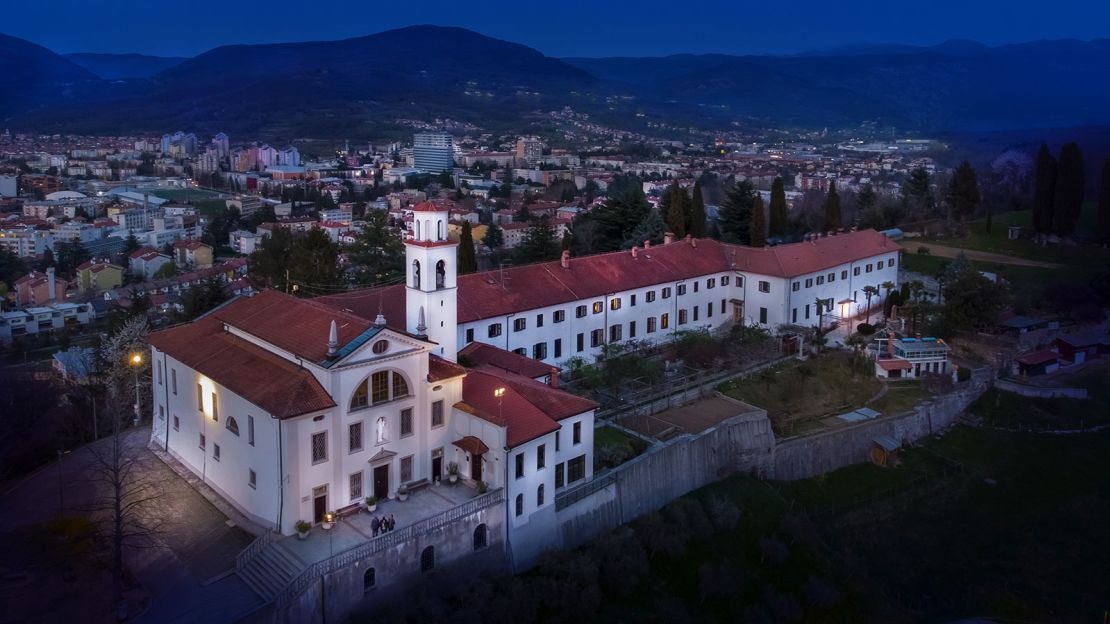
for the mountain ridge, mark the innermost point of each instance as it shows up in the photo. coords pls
(357, 87)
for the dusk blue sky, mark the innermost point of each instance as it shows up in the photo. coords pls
(559, 28)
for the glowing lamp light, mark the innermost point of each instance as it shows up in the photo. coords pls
(329, 517)
(136, 359)
(500, 392)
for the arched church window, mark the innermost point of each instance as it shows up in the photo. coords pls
(439, 230)
(416, 274)
(380, 387)
(441, 275)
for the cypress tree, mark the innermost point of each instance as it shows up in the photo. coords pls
(1104, 204)
(468, 263)
(1044, 190)
(696, 225)
(758, 233)
(1068, 202)
(676, 210)
(778, 217)
(832, 208)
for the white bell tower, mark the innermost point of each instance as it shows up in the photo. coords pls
(431, 288)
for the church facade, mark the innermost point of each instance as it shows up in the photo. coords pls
(291, 408)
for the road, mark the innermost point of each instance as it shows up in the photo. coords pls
(944, 251)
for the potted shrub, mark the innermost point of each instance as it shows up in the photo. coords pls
(371, 504)
(302, 528)
(483, 487)
(403, 493)
(452, 472)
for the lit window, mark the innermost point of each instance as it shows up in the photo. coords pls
(598, 306)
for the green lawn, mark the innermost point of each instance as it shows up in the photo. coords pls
(1007, 409)
(796, 393)
(902, 396)
(1027, 284)
(613, 447)
(997, 240)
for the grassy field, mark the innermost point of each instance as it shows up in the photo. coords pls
(1007, 409)
(997, 240)
(901, 396)
(613, 447)
(1027, 284)
(796, 393)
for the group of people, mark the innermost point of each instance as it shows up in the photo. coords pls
(382, 524)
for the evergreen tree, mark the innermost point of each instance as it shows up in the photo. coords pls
(494, 237)
(377, 255)
(131, 244)
(314, 264)
(468, 262)
(567, 241)
(1068, 202)
(735, 215)
(696, 225)
(674, 207)
(1044, 191)
(1103, 231)
(614, 221)
(758, 232)
(963, 192)
(270, 259)
(203, 297)
(833, 220)
(779, 219)
(917, 194)
(650, 228)
(539, 242)
(70, 255)
(868, 208)
(12, 266)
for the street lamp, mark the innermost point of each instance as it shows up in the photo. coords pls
(136, 363)
(499, 392)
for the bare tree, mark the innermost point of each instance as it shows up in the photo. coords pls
(123, 492)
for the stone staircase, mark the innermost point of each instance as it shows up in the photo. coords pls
(271, 570)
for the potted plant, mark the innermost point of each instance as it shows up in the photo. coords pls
(453, 472)
(302, 528)
(403, 493)
(483, 487)
(371, 504)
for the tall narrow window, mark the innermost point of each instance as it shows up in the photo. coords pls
(200, 398)
(159, 373)
(215, 408)
(577, 437)
(406, 422)
(540, 459)
(539, 496)
(354, 437)
(437, 413)
(406, 469)
(519, 504)
(319, 447)
(173, 380)
(250, 429)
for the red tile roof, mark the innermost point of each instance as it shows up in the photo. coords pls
(532, 286)
(1038, 357)
(480, 353)
(528, 409)
(273, 383)
(299, 326)
(440, 369)
(472, 445)
(427, 206)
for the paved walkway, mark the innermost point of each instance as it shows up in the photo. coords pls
(195, 544)
(945, 251)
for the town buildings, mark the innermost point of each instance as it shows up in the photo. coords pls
(433, 152)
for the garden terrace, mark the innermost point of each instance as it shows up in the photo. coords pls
(693, 418)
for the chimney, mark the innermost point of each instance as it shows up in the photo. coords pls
(647, 244)
(635, 249)
(333, 340)
(379, 320)
(564, 260)
(553, 378)
(50, 284)
(668, 238)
